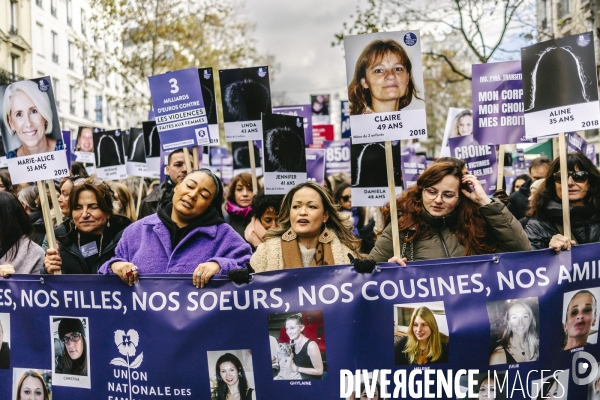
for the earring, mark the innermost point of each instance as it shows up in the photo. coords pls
(108, 223)
(240, 374)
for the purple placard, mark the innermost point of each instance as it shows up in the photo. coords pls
(481, 160)
(315, 165)
(520, 159)
(216, 155)
(590, 152)
(303, 111)
(412, 167)
(179, 109)
(68, 144)
(576, 143)
(227, 169)
(346, 134)
(337, 157)
(498, 103)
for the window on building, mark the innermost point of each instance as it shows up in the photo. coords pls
(108, 118)
(84, 62)
(14, 18)
(72, 99)
(98, 108)
(70, 50)
(56, 84)
(85, 104)
(39, 3)
(14, 67)
(70, 12)
(55, 47)
(83, 22)
(563, 7)
(39, 38)
(53, 7)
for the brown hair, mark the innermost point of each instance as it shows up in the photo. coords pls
(360, 98)
(124, 195)
(33, 374)
(471, 226)
(245, 179)
(103, 192)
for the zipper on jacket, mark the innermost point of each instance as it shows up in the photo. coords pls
(443, 243)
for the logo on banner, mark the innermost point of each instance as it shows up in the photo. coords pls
(43, 85)
(299, 123)
(207, 74)
(262, 72)
(583, 40)
(410, 39)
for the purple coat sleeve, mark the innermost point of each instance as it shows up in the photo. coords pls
(232, 251)
(121, 251)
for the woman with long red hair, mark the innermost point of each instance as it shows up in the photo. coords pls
(449, 214)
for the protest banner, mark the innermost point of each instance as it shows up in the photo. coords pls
(412, 167)
(152, 148)
(32, 137)
(84, 145)
(337, 157)
(321, 133)
(576, 143)
(386, 94)
(207, 82)
(359, 322)
(480, 159)
(136, 154)
(458, 123)
(320, 111)
(283, 152)
(110, 155)
(179, 109)
(303, 111)
(241, 157)
(315, 165)
(346, 133)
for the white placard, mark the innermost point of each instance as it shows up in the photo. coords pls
(3, 163)
(38, 167)
(138, 169)
(85, 157)
(395, 125)
(153, 164)
(112, 173)
(215, 139)
(282, 182)
(375, 196)
(576, 117)
(241, 131)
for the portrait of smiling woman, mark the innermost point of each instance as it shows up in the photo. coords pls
(423, 342)
(73, 359)
(29, 115)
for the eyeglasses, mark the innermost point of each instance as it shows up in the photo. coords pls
(75, 337)
(578, 176)
(447, 197)
(346, 198)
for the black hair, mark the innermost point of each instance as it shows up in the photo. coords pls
(171, 155)
(284, 150)
(245, 100)
(78, 169)
(262, 202)
(15, 224)
(217, 200)
(524, 177)
(222, 388)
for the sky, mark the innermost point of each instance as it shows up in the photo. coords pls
(299, 35)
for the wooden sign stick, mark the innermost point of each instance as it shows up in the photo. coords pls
(188, 162)
(195, 157)
(562, 154)
(47, 216)
(253, 167)
(500, 164)
(389, 162)
(139, 196)
(54, 196)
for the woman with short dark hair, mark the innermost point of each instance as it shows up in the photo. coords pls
(73, 360)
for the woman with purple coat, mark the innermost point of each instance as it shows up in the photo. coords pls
(187, 235)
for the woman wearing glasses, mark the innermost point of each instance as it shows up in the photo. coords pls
(448, 214)
(545, 229)
(73, 360)
(88, 238)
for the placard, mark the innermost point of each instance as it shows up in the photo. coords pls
(245, 94)
(241, 157)
(319, 104)
(480, 160)
(227, 169)
(68, 148)
(412, 167)
(207, 81)
(575, 143)
(315, 165)
(110, 155)
(560, 86)
(459, 122)
(283, 152)
(498, 107)
(136, 154)
(179, 109)
(303, 111)
(84, 146)
(152, 148)
(386, 92)
(369, 173)
(346, 134)
(321, 133)
(337, 157)
(32, 137)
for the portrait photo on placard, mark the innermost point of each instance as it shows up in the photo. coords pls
(580, 318)
(108, 146)
(70, 351)
(554, 385)
(368, 164)
(241, 155)
(485, 387)
(32, 384)
(136, 151)
(514, 330)
(231, 371)
(4, 341)
(30, 118)
(85, 139)
(207, 82)
(421, 334)
(246, 93)
(151, 139)
(297, 342)
(559, 72)
(283, 143)
(384, 72)
(594, 387)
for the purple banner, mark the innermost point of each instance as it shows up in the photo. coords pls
(576, 143)
(346, 134)
(412, 167)
(480, 158)
(179, 109)
(337, 157)
(315, 165)
(590, 152)
(216, 155)
(68, 146)
(303, 111)
(498, 103)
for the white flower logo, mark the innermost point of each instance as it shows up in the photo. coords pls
(127, 344)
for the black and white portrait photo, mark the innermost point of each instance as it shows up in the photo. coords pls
(136, 151)
(245, 93)
(108, 147)
(283, 140)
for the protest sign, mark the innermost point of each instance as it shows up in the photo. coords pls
(412, 167)
(315, 165)
(560, 86)
(283, 152)
(498, 103)
(68, 146)
(346, 134)
(303, 111)
(110, 155)
(320, 109)
(369, 173)
(590, 152)
(458, 123)
(226, 169)
(84, 145)
(152, 148)
(136, 159)
(469, 301)
(321, 133)
(179, 109)
(207, 81)
(576, 143)
(245, 94)
(385, 86)
(480, 160)
(241, 156)
(337, 157)
(32, 137)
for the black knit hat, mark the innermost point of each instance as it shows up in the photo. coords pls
(68, 325)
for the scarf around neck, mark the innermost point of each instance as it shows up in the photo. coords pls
(232, 208)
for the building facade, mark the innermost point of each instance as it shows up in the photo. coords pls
(15, 40)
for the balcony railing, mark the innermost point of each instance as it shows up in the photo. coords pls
(7, 77)
(55, 57)
(13, 30)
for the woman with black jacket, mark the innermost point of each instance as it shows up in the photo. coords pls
(88, 238)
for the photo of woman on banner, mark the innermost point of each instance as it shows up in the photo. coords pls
(246, 93)
(368, 165)
(4, 341)
(137, 150)
(32, 385)
(284, 149)
(484, 386)
(231, 378)
(420, 340)
(382, 79)
(30, 116)
(580, 326)
(306, 358)
(553, 387)
(70, 347)
(463, 124)
(108, 146)
(85, 139)
(151, 139)
(514, 329)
